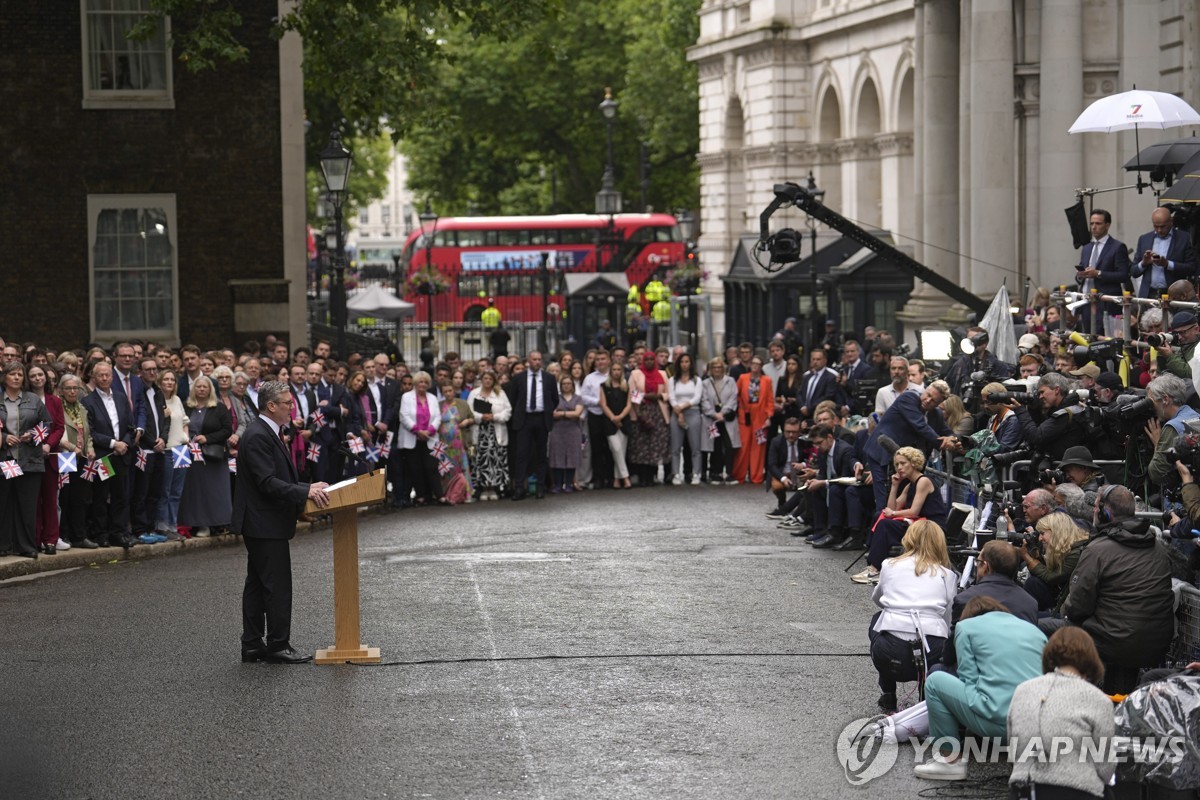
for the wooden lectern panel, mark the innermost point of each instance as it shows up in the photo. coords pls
(364, 490)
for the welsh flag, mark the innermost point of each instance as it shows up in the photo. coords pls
(104, 469)
(67, 463)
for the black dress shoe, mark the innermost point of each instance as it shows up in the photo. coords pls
(285, 656)
(32, 555)
(49, 550)
(127, 541)
(849, 543)
(250, 655)
(87, 544)
(824, 541)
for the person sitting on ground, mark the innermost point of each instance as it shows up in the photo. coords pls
(996, 653)
(1051, 564)
(915, 592)
(913, 496)
(996, 577)
(836, 508)
(1062, 703)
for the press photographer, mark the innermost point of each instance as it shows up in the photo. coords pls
(1169, 395)
(1186, 333)
(1051, 557)
(975, 358)
(1002, 418)
(1054, 423)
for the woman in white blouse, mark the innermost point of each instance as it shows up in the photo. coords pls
(492, 411)
(915, 592)
(683, 396)
(173, 479)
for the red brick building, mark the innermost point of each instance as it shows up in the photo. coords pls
(140, 199)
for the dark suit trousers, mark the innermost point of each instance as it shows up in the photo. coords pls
(110, 506)
(602, 460)
(75, 501)
(531, 452)
(840, 508)
(147, 489)
(268, 593)
(18, 512)
(420, 468)
(880, 483)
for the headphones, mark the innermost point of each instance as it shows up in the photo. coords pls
(1104, 514)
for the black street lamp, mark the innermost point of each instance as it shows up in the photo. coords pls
(429, 218)
(818, 194)
(335, 166)
(608, 199)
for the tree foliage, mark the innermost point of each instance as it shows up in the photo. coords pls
(368, 175)
(514, 127)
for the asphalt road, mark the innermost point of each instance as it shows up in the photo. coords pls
(664, 643)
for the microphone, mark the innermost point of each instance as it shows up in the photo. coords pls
(888, 444)
(346, 451)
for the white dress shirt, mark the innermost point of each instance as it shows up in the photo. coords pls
(590, 392)
(535, 391)
(110, 405)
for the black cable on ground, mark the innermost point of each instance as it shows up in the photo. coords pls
(992, 787)
(610, 656)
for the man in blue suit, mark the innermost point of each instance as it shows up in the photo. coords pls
(913, 420)
(1165, 255)
(1104, 265)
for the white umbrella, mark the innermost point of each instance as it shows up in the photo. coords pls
(998, 323)
(1135, 109)
(375, 301)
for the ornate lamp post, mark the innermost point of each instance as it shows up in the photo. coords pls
(608, 199)
(335, 166)
(818, 194)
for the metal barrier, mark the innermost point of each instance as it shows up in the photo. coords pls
(1186, 646)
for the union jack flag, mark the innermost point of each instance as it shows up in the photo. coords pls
(90, 471)
(197, 453)
(40, 433)
(11, 469)
(444, 467)
(314, 453)
(141, 460)
(387, 442)
(318, 419)
(233, 465)
(356, 444)
(373, 454)
(760, 436)
(713, 431)
(181, 457)
(439, 448)
(67, 462)
(64, 479)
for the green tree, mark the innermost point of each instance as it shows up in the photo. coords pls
(513, 126)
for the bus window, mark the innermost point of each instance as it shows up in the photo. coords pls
(667, 233)
(470, 285)
(491, 238)
(444, 239)
(471, 238)
(513, 237)
(545, 236)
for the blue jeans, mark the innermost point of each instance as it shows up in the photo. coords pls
(172, 490)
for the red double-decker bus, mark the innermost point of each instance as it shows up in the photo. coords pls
(501, 258)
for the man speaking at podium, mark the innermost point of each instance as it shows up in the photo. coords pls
(266, 504)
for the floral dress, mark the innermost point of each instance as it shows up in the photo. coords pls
(456, 449)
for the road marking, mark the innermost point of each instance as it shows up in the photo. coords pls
(37, 575)
(476, 558)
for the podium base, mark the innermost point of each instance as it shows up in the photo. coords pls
(362, 655)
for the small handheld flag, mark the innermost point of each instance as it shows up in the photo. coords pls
(314, 453)
(181, 457)
(439, 448)
(444, 467)
(233, 466)
(356, 444)
(104, 469)
(197, 453)
(318, 419)
(67, 463)
(373, 454)
(141, 460)
(760, 436)
(11, 469)
(64, 479)
(713, 432)
(40, 433)
(90, 470)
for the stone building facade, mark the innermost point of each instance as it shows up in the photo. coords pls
(942, 121)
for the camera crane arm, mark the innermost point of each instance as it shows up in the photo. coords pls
(793, 194)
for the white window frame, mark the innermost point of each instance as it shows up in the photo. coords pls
(104, 202)
(130, 98)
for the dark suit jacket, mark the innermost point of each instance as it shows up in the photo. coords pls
(156, 425)
(389, 399)
(1019, 602)
(520, 399)
(826, 389)
(268, 499)
(103, 435)
(139, 396)
(777, 456)
(1181, 259)
(908, 426)
(843, 461)
(1113, 264)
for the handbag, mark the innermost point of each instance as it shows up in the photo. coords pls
(214, 451)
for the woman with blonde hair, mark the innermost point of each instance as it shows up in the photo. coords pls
(616, 407)
(207, 501)
(719, 407)
(957, 418)
(915, 594)
(491, 410)
(1062, 542)
(913, 496)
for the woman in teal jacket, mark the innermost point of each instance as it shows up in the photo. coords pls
(996, 653)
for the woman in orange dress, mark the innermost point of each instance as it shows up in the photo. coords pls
(756, 404)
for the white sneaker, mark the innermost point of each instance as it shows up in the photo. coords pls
(935, 770)
(677, 480)
(61, 545)
(695, 480)
(867, 576)
(731, 482)
(202, 533)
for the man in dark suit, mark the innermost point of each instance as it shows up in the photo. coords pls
(111, 423)
(1165, 255)
(266, 504)
(784, 453)
(1104, 264)
(836, 510)
(147, 483)
(305, 400)
(996, 577)
(819, 383)
(913, 420)
(328, 436)
(534, 398)
(128, 386)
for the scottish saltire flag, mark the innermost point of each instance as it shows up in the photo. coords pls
(90, 470)
(11, 469)
(314, 453)
(373, 454)
(141, 460)
(64, 479)
(181, 457)
(233, 465)
(356, 444)
(104, 469)
(40, 433)
(67, 462)
(197, 453)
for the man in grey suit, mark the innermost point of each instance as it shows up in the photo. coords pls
(266, 505)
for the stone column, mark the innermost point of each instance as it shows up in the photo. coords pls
(1060, 155)
(992, 147)
(937, 129)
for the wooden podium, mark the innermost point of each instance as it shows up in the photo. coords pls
(344, 503)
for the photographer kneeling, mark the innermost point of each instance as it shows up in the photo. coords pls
(1051, 559)
(1169, 395)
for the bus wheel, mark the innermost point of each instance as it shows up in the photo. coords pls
(473, 314)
